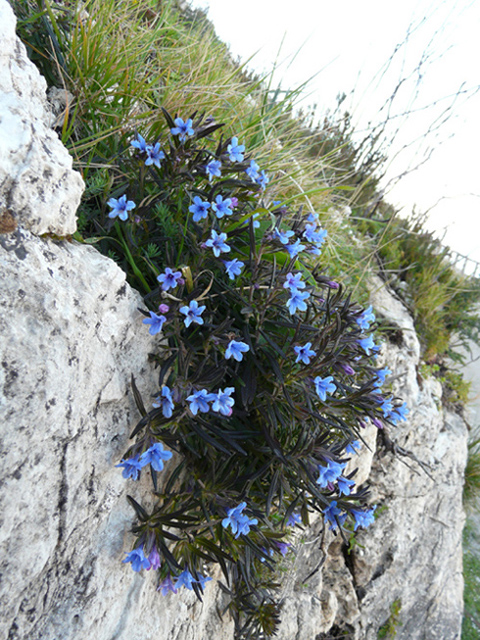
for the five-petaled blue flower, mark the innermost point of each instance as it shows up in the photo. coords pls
(120, 207)
(199, 401)
(235, 150)
(352, 447)
(294, 249)
(283, 236)
(213, 169)
(365, 318)
(217, 243)
(140, 143)
(238, 521)
(233, 267)
(367, 344)
(169, 279)
(399, 413)
(294, 282)
(333, 514)
(193, 313)
(345, 486)
(253, 170)
(314, 235)
(297, 301)
(182, 129)
(166, 585)
(185, 579)
(199, 208)
(294, 518)
(222, 207)
(363, 518)
(262, 179)
(165, 401)
(381, 375)
(324, 386)
(304, 353)
(330, 473)
(155, 456)
(131, 467)
(156, 323)
(154, 155)
(138, 559)
(236, 350)
(223, 403)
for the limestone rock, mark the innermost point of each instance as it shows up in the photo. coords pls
(37, 183)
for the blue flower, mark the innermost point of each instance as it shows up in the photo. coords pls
(345, 485)
(294, 282)
(235, 150)
(155, 456)
(365, 318)
(312, 235)
(252, 170)
(202, 580)
(294, 519)
(363, 518)
(233, 267)
(131, 467)
(199, 208)
(237, 521)
(386, 406)
(193, 313)
(381, 375)
(333, 514)
(297, 301)
(165, 401)
(140, 144)
(223, 403)
(169, 279)
(324, 386)
(236, 350)
(304, 353)
(262, 179)
(185, 579)
(155, 154)
(222, 207)
(352, 447)
(138, 559)
(154, 558)
(213, 169)
(367, 344)
(156, 323)
(166, 585)
(183, 129)
(294, 249)
(199, 401)
(283, 547)
(330, 473)
(399, 413)
(283, 236)
(217, 243)
(120, 207)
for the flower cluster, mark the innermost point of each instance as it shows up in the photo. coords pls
(267, 372)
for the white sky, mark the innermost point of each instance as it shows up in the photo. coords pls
(346, 43)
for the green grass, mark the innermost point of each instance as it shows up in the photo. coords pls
(471, 574)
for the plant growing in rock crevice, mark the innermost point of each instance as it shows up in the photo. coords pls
(266, 369)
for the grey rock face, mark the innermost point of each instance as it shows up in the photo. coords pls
(70, 338)
(37, 183)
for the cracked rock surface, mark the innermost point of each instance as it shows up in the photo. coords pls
(70, 338)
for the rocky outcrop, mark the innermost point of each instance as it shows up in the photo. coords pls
(71, 336)
(37, 185)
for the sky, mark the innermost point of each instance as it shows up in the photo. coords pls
(344, 46)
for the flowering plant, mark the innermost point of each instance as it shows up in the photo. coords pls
(267, 373)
